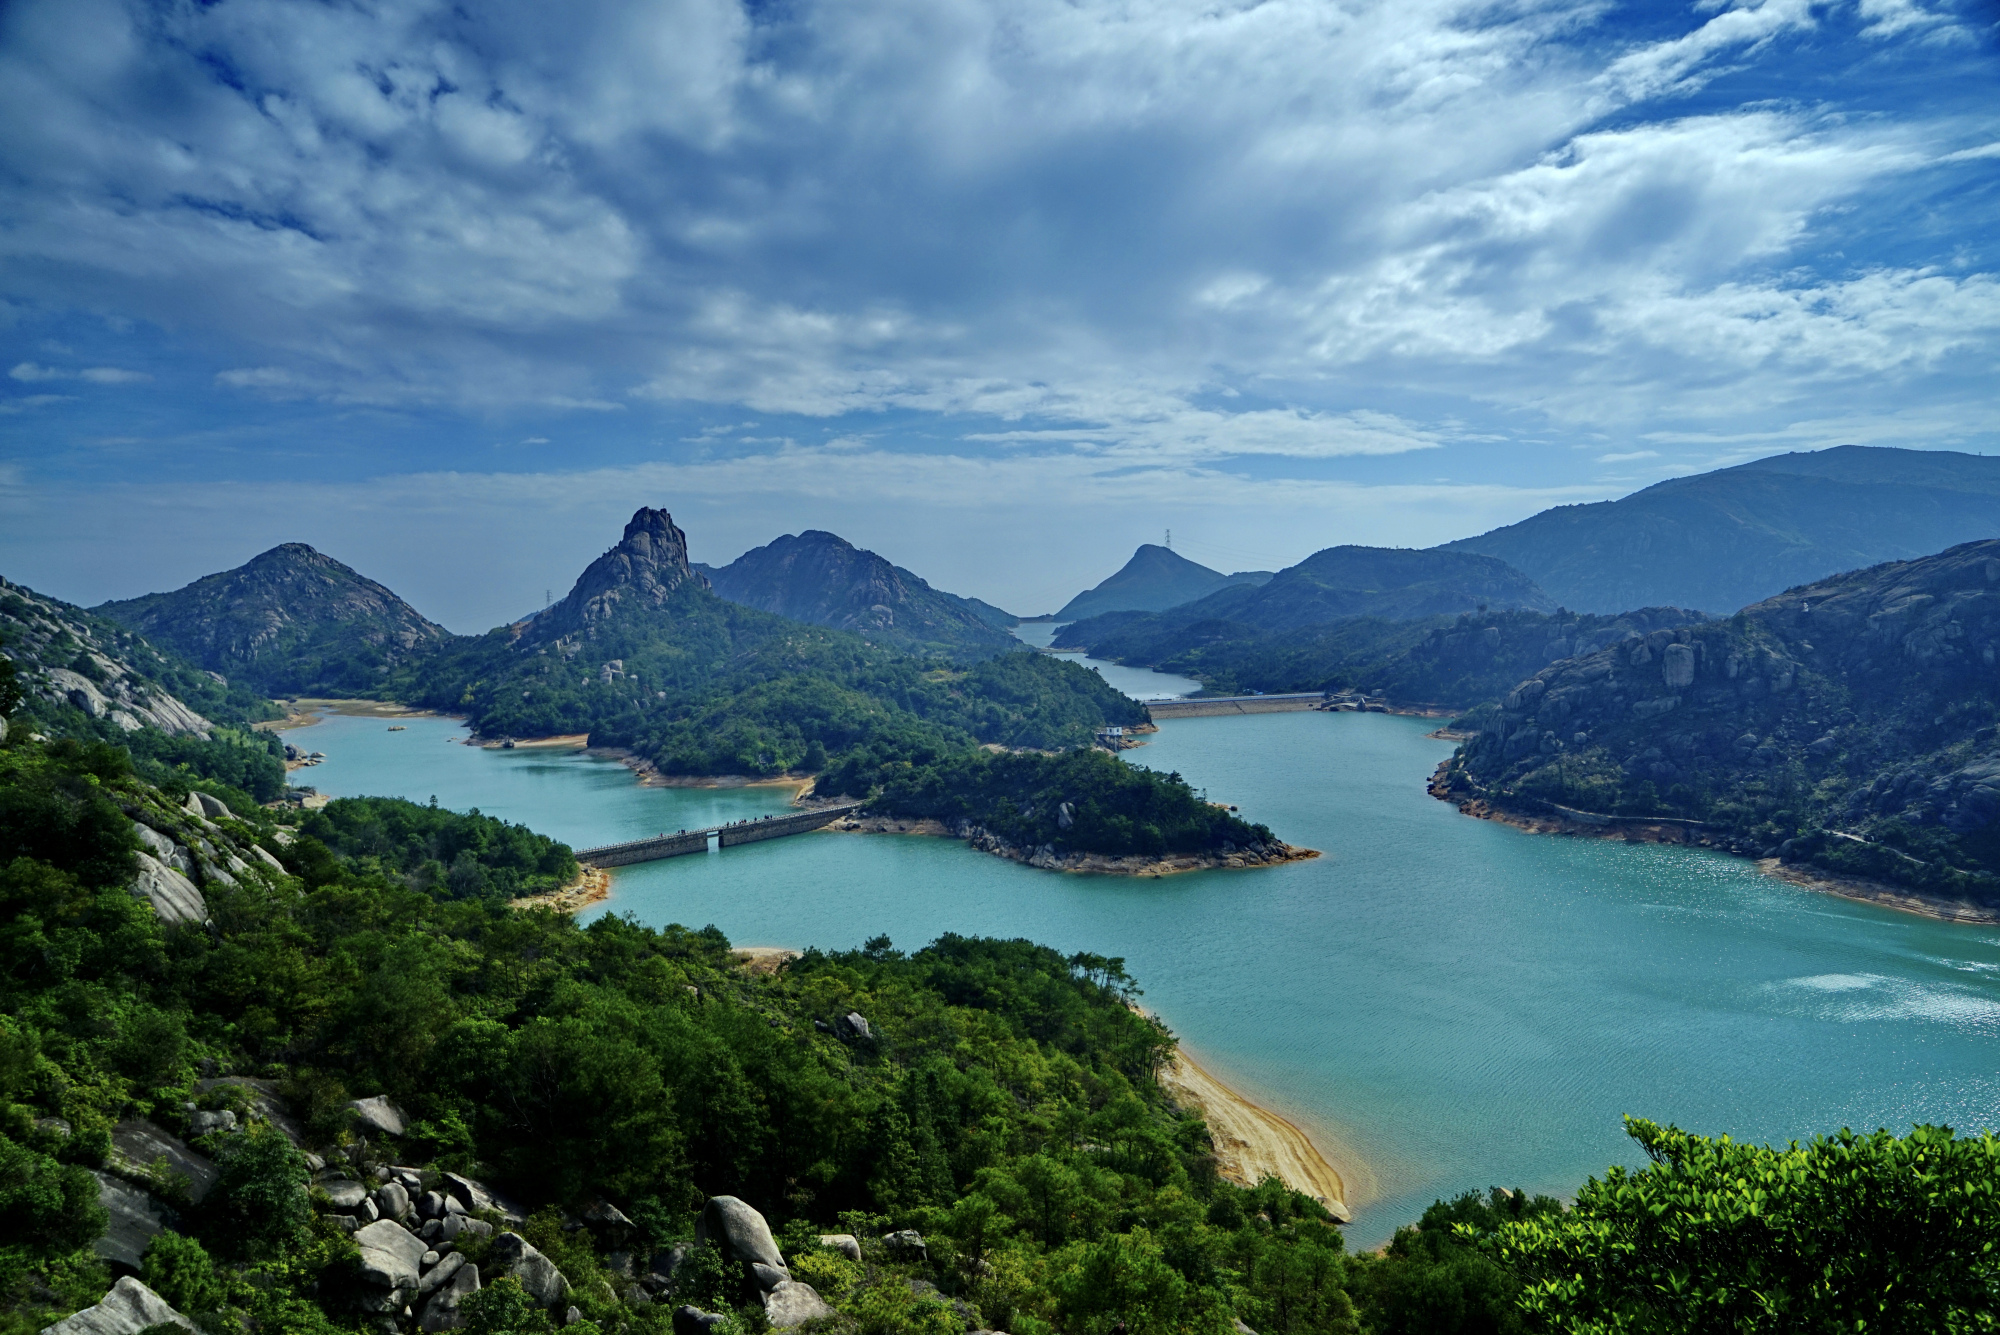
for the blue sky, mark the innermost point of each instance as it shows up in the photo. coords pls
(999, 288)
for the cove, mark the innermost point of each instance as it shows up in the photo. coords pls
(1139, 683)
(1453, 1003)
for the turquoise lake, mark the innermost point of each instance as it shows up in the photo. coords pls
(1451, 1003)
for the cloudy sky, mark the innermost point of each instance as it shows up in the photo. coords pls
(999, 288)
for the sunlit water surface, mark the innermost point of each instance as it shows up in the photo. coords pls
(1451, 1003)
(1139, 683)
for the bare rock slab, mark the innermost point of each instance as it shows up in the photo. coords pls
(129, 1308)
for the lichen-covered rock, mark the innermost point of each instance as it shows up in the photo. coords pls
(845, 1243)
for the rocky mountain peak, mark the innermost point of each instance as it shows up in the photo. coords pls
(647, 566)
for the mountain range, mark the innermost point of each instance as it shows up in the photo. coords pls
(823, 579)
(1155, 579)
(290, 621)
(1723, 540)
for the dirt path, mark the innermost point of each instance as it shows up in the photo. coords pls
(1252, 1143)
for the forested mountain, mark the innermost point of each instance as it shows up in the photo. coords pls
(642, 654)
(1288, 628)
(291, 621)
(1155, 579)
(823, 579)
(1721, 540)
(1452, 662)
(1854, 722)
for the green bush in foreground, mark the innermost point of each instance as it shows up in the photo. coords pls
(1845, 1233)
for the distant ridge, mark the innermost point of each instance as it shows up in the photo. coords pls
(1155, 579)
(822, 578)
(289, 621)
(1722, 540)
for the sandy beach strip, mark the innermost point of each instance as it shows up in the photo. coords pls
(1252, 1143)
(591, 886)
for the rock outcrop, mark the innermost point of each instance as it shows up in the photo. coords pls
(647, 566)
(129, 1308)
(65, 656)
(175, 900)
(512, 1254)
(379, 1116)
(140, 1149)
(134, 1220)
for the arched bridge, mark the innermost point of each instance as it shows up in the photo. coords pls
(726, 836)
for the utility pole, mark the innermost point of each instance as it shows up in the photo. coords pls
(1170, 539)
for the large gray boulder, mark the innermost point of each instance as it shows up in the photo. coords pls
(738, 1232)
(138, 1146)
(793, 1304)
(440, 1273)
(845, 1243)
(164, 848)
(379, 1115)
(392, 1200)
(265, 1103)
(175, 900)
(129, 1308)
(134, 1220)
(442, 1312)
(511, 1254)
(391, 1255)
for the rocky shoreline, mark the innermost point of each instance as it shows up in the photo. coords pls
(1047, 859)
(1643, 830)
(591, 886)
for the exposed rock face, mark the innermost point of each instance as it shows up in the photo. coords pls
(822, 578)
(175, 900)
(135, 1219)
(645, 568)
(138, 1145)
(379, 1115)
(511, 1254)
(129, 1308)
(845, 1243)
(289, 621)
(111, 676)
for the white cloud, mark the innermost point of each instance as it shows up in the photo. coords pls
(1628, 456)
(111, 375)
(28, 371)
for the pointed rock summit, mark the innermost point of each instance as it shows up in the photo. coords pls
(645, 569)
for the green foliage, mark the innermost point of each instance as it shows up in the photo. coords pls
(1848, 1232)
(503, 1307)
(704, 686)
(180, 1270)
(46, 1208)
(454, 856)
(259, 1202)
(1113, 807)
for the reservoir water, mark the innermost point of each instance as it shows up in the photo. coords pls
(1452, 1003)
(1139, 683)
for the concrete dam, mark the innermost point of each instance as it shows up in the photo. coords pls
(726, 836)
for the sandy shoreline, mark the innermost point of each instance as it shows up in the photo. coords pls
(303, 712)
(1252, 1142)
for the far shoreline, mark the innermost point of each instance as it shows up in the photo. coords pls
(1634, 830)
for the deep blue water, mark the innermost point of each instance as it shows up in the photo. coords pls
(1451, 1003)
